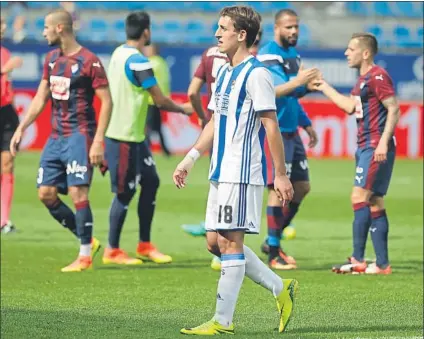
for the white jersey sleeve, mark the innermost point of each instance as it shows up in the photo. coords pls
(260, 87)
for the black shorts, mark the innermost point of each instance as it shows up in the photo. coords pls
(9, 121)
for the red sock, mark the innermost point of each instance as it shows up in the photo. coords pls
(7, 181)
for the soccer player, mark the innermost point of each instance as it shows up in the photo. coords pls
(72, 75)
(377, 112)
(243, 103)
(209, 65)
(127, 153)
(9, 121)
(282, 59)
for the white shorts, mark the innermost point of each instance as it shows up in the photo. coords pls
(234, 207)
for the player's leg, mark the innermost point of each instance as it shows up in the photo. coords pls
(277, 259)
(51, 179)
(9, 123)
(74, 157)
(360, 199)
(380, 224)
(300, 180)
(149, 181)
(120, 157)
(210, 231)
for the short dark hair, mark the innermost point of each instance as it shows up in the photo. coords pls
(285, 11)
(368, 40)
(244, 18)
(135, 24)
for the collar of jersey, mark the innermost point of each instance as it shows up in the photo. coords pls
(230, 68)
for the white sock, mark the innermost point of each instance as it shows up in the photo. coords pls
(85, 250)
(261, 273)
(229, 284)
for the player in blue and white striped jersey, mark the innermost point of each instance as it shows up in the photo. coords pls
(244, 110)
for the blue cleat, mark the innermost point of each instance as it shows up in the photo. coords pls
(195, 230)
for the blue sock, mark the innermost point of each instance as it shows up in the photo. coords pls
(361, 225)
(379, 233)
(117, 215)
(289, 211)
(146, 206)
(84, 221)
(64, 215)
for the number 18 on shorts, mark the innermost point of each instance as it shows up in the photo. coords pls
(233, 206)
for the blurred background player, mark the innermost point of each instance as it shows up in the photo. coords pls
(9, 121)
(129, 159)
(72, 75)
(210, 63)
(377, 112)
(282, 59)
(163, 77)
(244, 110)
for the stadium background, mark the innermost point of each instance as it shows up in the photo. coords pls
(183, 37)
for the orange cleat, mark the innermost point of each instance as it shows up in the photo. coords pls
(147, 251)
(374, 269)
(82, 263)
(351, 266)
(116, 256)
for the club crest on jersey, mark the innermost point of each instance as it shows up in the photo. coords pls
(233, 84)
(74, 68)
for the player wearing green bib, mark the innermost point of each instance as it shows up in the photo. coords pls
(127, 154)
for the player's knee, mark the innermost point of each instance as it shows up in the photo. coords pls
(47, 195)
(125, 198)
(78, 194)
(6, 163)
(301, 189)
(376, 203)
(360, 195)
(152, 182)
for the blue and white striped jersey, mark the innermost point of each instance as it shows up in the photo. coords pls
(241, 94)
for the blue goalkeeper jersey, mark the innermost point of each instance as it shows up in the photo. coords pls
(284, 64)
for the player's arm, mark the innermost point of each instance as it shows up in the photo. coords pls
(347, 104)
(306, 123)
(393, 115)
(103, 93)
(165, 103)
(385, 93)
(275, 141)
(297, 86)
(34, 110)
(203, 143)
(11, 64)
(194, 96)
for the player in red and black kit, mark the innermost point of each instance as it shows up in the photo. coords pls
(9, 121)
(72, 75)
(210, 63)
(377, 112)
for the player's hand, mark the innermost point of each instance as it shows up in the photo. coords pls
(187, 108)
(179, 177)
(380, 153)
(203, 122)
(313, 136)
(96, 153)
(304, 76)
(317, 85)
(16, 140)
(182, 170)
(283, 188)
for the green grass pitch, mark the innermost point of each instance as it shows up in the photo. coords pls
(152, 302)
